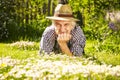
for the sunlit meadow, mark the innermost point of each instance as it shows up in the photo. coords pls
(26, 64)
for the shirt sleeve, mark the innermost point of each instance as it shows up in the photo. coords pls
(78, 42)
(47, 41)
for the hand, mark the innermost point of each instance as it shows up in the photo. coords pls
(63, 38)
(62, 41)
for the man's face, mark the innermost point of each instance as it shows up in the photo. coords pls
(63, 26)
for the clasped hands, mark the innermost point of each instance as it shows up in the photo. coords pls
(62, 41)
(63, 38)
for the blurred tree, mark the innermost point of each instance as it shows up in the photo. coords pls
(6, 14)
(25, 13)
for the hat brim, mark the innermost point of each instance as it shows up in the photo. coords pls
(63, 18)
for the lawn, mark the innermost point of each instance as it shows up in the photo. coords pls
(21, 61)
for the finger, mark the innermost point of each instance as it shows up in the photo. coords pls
(62, 37)
(58, 37)
(65, 36)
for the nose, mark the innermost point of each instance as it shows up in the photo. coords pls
(63, 30)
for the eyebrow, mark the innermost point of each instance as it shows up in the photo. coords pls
(57, 23)
(60, 23)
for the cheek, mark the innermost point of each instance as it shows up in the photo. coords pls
(57, 30)
(69, 28)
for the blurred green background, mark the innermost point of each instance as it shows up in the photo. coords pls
(99, 19)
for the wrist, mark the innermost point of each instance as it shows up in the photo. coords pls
(62, 43)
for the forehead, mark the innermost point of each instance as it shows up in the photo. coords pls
(62, 22)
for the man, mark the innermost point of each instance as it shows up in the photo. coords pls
(64, 35)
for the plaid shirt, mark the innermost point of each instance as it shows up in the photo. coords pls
(49, 42)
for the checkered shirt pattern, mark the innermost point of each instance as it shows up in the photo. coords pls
(76, 44)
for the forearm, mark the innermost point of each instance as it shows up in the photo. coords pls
(65, 49)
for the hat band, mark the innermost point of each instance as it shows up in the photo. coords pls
(63, 15)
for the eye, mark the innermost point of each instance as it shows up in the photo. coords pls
(67, 24)
(57, 25)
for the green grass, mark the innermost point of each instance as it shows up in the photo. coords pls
(24, 59)
(102, 57)
(6, 50)
(108, 58)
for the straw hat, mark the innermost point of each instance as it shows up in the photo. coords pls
(63, 11)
